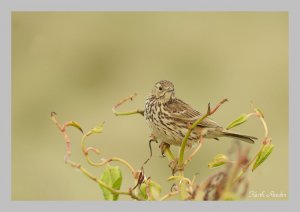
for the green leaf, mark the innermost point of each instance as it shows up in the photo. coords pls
(218, 160)
(142, 192)
(154, 189)
(240, 120)
(263, 155)
(97, 129)
(112, 176)
(74, 124)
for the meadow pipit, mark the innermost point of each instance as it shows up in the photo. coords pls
(169, 119)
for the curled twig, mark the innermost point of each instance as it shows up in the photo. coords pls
(62, 129)
(85, 151)
(150, 141)
(227, 181)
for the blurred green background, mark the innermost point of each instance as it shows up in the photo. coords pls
(79, 64)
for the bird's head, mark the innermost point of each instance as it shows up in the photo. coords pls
(163, 91)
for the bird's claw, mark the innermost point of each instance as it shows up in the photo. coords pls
(175, 166)
(163, 146)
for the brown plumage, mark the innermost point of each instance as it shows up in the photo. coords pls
(170, 117)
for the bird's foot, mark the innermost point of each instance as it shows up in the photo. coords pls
(175, 166)
(163, 146)
(152, 137)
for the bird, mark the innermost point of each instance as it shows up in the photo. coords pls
(169, 119)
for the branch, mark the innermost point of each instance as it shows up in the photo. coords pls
(168, 195)
(258, 113)
(201, 141)
(136, 111)
(86, 150)
(100, 182)
(187, 135)
(62, 129)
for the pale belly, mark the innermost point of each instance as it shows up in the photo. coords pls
(168, 130)
(174, 137)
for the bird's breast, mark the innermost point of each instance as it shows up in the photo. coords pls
(163, 126)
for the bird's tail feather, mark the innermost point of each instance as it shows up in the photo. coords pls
(246, 138)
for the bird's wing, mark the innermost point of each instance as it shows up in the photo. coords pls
(180, 110)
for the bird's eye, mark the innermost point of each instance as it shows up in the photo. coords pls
(160, 88)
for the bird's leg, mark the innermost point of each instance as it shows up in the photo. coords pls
(174, 166)
(163, 146)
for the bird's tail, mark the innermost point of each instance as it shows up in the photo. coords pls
(246, 138)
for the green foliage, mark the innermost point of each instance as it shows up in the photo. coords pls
(224, 183)
(263, 155)
(218, 160)
(142, 192)
(97, 129)
(75, 124)
(240, 120)
(112, 176)
(154, 190)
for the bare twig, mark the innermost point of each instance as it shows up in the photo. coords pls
(168, 195)
(200, 144)
(62, 129)
(266, 140)
(217, 107)
(246, 167)
(264, 124)
(259, 114)
(136, 111)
